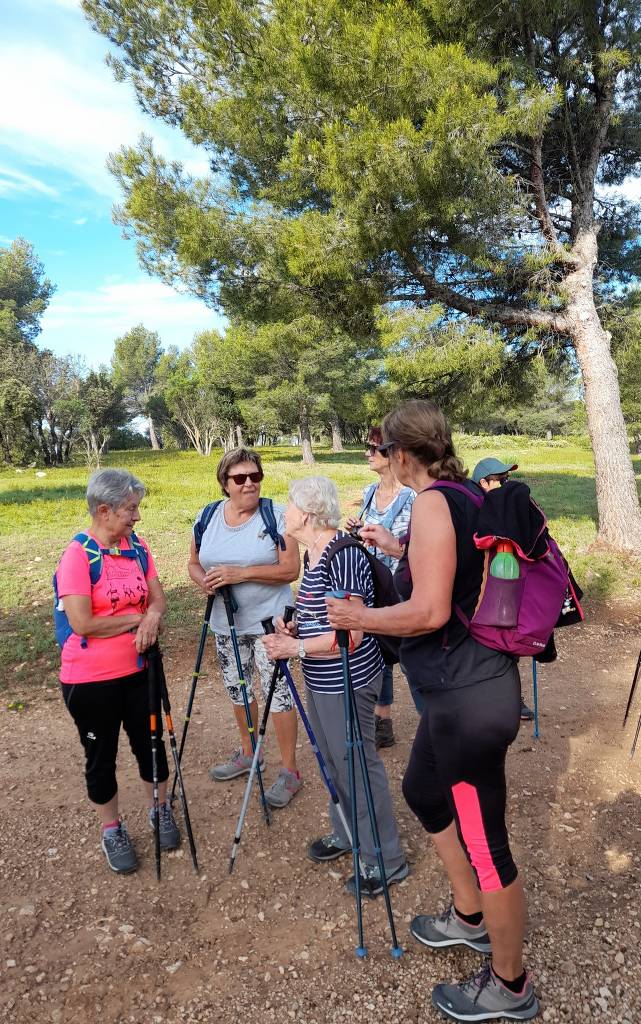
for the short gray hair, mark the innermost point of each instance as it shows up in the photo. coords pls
(317, 495)
(112, 487)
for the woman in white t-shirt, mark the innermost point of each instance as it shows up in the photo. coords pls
(384, 518)
(232, 546)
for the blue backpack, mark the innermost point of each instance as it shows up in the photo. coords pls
(94, 554)
(266, 508)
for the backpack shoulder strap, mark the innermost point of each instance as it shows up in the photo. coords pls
(141, 553)
(204, 521)
(93, 552)
(266, 506)
(451, 485)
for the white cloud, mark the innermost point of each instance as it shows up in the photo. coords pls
(12, 181)
(67, 113)
(80, 221)
(87, 322)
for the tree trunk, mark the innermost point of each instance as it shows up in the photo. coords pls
(616, 491)
(306, 438)
(153, 437)
(240, 440)
(337, 437)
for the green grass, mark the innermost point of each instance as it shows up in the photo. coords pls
(38, 516)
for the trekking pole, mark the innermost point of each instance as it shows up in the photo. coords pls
(268, 627)
(326, 777)
(192, 692)
(156, 666)
(153, 726)
(397, 951)
(633, 688)
(535, 695)
(230, 609)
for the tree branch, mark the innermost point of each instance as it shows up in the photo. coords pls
(496, 312)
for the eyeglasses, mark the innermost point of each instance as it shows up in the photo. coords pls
(240, 478)
(373, 449)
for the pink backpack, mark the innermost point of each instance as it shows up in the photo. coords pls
(517, 616)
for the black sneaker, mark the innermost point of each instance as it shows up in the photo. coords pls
(119, 850)
(384, 735)
(169, 832)
(327, 848)
(371, 884)
(527, 715)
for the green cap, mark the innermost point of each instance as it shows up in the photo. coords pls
(491, 467)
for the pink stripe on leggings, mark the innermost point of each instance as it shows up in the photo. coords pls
(470, 819)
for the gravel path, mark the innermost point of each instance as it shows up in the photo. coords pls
(275, 942)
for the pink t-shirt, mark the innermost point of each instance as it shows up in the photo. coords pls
(121, 590)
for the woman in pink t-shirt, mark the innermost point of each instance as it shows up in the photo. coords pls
(103, 676)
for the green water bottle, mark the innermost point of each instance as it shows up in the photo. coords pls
(504, 565)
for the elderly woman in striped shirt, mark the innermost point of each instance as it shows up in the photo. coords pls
(312, 518)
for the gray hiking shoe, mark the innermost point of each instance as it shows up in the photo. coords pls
(237, 764)
(119, 850)
(284, 789)
(169, 832)
(371, 884)
(327, 848)
(449, 929)
(483, 997)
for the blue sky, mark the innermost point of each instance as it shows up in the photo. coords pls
(62, 114)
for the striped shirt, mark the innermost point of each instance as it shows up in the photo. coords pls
(349, 570)
(398, 523)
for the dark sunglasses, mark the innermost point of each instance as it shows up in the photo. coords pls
(384, 449)
(240, 478)
(372, 449)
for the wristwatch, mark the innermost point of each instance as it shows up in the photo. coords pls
(301, 648)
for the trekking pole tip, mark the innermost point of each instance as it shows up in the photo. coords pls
(397, 952)
(361, 952)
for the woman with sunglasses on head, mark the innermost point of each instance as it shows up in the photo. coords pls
(383, 520)
(237, 550)
(455, 780)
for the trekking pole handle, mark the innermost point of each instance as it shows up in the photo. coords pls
(268, 623)
(342, 635)
(231, 605)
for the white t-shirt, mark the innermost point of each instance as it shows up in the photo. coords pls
(247, 544)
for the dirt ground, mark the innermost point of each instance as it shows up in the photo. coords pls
(275, 942)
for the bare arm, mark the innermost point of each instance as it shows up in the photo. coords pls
(83, 623)
(149, 626)
(285, 570)
(432, 559)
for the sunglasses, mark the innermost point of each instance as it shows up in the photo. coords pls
(372, 449)
(384, 449)
(240, 478)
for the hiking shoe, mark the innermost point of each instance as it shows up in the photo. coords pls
(384, 735)
(371, 885)
(119, 850)
(169, 832)
(527, 715)
(327, 848)
(238, 764)
(284, 789)
(483, 997)
(449, 929)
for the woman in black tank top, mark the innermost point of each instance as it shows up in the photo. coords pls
(455, 779)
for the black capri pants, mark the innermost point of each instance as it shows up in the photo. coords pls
(99, 710)
(456, 770)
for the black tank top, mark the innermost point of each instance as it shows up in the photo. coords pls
(449, 657)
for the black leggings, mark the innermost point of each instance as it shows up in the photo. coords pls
(99, 709)
(456, 771)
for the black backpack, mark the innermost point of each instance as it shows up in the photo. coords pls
(384, 592)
